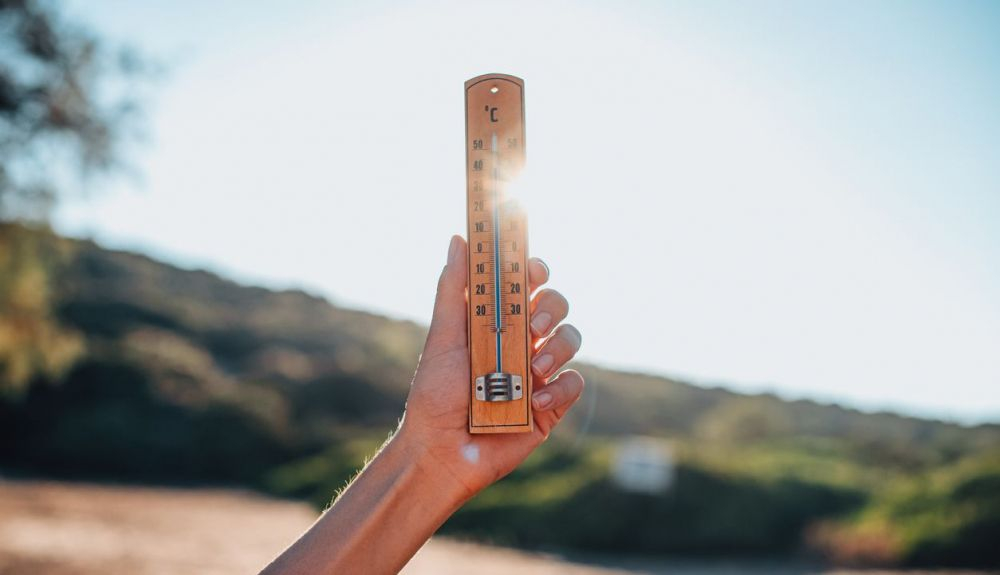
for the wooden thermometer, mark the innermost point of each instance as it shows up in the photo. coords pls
(499, 340)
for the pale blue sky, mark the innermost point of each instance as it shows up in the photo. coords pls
(798, 197)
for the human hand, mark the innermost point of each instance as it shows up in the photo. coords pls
(435, 426)
(433, 464)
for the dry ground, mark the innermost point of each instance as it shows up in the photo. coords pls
(83, 529)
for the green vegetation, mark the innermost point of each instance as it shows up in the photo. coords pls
(114, 366)
(945, 516)
(32, 342)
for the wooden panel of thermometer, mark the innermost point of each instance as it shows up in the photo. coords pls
(499, 340)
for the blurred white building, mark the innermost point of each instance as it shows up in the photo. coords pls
(643, 465)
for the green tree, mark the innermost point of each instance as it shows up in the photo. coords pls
(66, 104)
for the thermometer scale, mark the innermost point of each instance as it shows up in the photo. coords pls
(499, 340)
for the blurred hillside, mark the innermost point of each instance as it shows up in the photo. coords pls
(116, 366)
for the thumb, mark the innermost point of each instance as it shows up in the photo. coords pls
(448, 325)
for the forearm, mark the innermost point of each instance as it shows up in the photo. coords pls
(380, 521)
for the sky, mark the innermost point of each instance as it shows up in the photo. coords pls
(800, 198)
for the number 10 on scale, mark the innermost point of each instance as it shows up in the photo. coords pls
(499, 340)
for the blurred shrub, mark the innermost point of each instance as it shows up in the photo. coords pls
(569, 500)
(107, 421)
(32, 343)
(945, 517)
(744, 420)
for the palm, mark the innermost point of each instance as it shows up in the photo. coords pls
(438, 406)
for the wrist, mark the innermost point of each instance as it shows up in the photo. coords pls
(431, 467)
(392, 507)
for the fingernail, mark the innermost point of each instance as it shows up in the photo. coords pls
(541, 400)
(453, 249)
(542, 364)
(540, 322)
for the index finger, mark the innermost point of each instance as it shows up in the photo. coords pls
(538, 273)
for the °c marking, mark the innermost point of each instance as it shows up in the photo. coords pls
(493, 113)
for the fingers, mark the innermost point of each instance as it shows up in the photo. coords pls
(548, 308)
(538, 273)
(560, 393)
(448, 329)
(556, 351)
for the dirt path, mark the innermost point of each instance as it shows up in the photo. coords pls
(83, 529)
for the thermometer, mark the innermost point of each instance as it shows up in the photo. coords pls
(499, 340)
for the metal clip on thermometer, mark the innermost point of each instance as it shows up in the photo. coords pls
(499, 340)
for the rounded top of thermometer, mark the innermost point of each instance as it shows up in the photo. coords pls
(499, 77)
